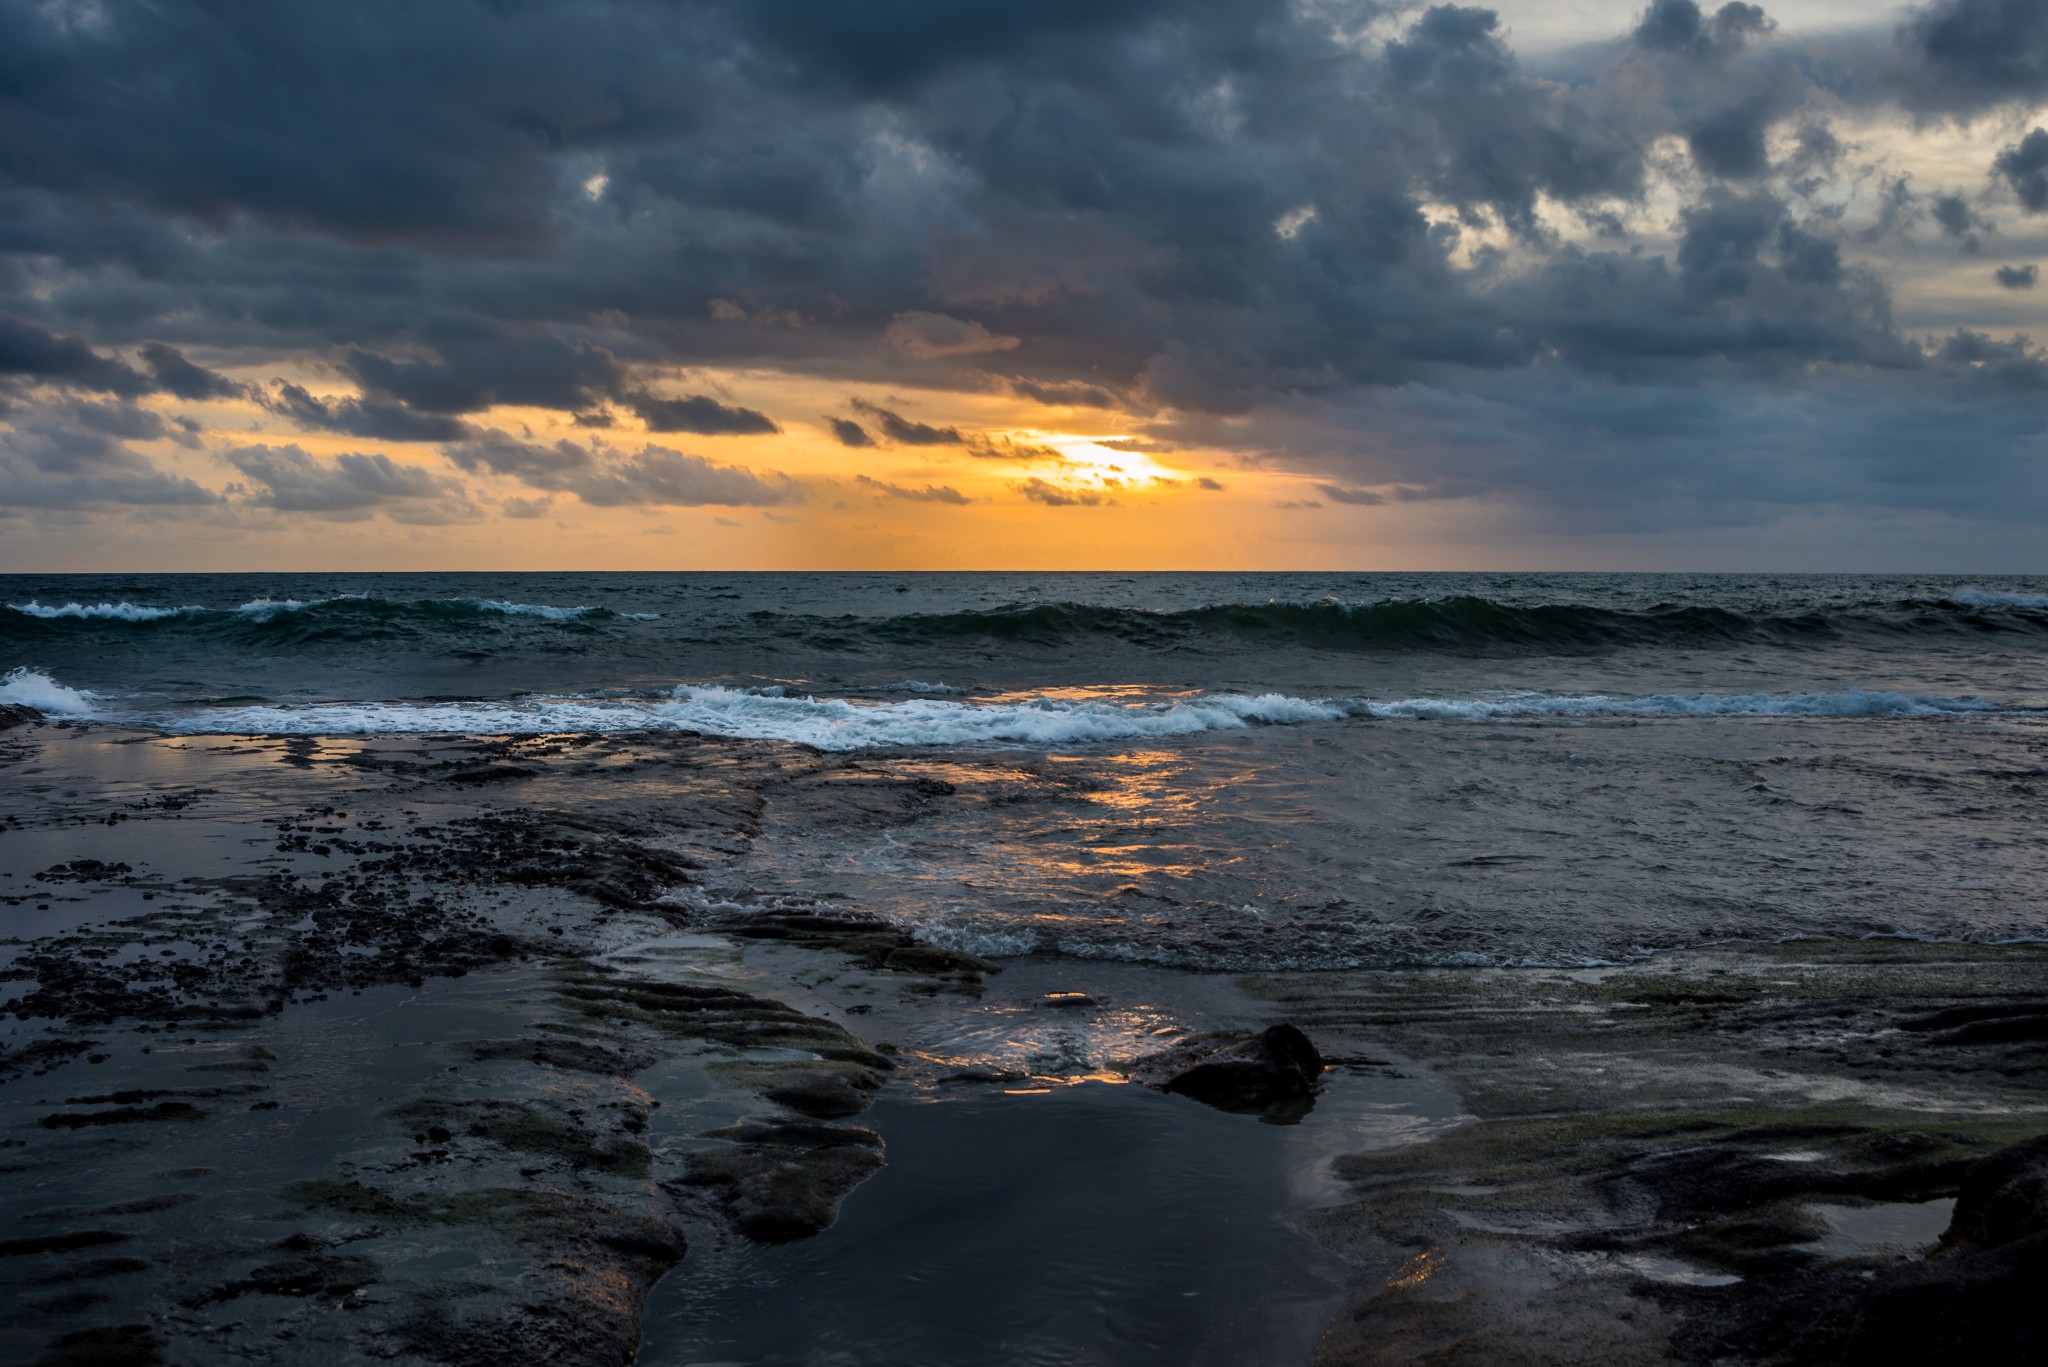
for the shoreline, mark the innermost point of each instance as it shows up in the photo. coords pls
(440, 1043)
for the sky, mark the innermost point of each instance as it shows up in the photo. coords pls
(1081, 284)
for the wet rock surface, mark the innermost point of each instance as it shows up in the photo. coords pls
(1271, 1073)
(428, 1051)
(1741, 1156)
(336, 1050)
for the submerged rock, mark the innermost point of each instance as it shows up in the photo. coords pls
(1271, 1073)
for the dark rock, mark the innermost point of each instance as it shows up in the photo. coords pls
(125, 1115)
(14, 714)
(1272, 1073)
(126, 1345)
(1977, 1296)
(490, 773)
(1066, 1000)
(2003, 1198)
(822, 1096)
(2010, 1022)
(782, 1180)
(60, 1243)
(1954, 1016)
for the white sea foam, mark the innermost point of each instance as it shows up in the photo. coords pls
(552, 614)
(116, 612)
(843, 724)
(920, 686)
(826, 723)
(33, 688)
(1974, 597)
(263, 609)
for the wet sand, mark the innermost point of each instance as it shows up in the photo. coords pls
(323, 1051)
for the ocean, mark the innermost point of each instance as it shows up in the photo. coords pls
(1216, 771)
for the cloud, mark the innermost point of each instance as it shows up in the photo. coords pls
(849, 433)
(904, 432)
(653, 476)
(1008, 448)
(1362, 497)
(1970, 55)
(937, 334)
(699, 414)
(1957, 219)
(1068, 393)
(351, 485)
(73, 455)
(174, 374)
(2017, 277)
(2024, 167)
(1258, 229)
(1212, 485)
(931, 493)
(32, 351)
(1059, 496)
(473, 368)
(377, 419)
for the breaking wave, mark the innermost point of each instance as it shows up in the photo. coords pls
(1461, 624)
(33, 688)
(846, 724)
(344, 615)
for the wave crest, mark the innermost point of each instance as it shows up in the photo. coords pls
(843, 724)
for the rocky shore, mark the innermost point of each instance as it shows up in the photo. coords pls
(331, 1050)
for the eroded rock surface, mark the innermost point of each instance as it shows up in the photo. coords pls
(359, 1050)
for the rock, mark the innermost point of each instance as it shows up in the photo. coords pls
(490, 773)
(1977, 1296)
(782, 1180)
(2003, 1198)
(2016, 1022)
(14, 714)
(1272, 1073)
(1067, 1001)
(126, 1345)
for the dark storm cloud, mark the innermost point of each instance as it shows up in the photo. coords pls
(350, 485)
(905, 431)
(2024, 167)
(700, 414)
(34, 352)
(1079, 393)
(1187, 210)
(476, 367)
(1340, 494)
(657, 476)
(1681, 26)
(2017, 277)
(1059, 496)
(176, 375)
(1499, 137)
(73, 454)
(1957, 219)
(1969, 55)
(652, 476)
(931, 493)
(849, 433)
(378, 419)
